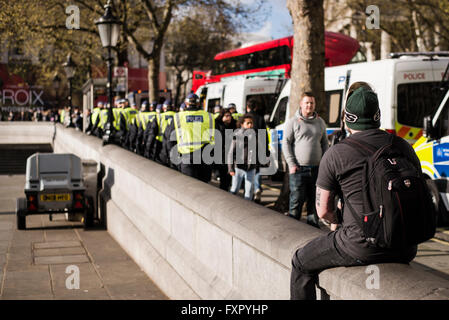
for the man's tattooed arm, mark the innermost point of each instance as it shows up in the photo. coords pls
(325, 205)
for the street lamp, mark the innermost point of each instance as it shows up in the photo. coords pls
(109, 30)
(69, 68)
(56, 84)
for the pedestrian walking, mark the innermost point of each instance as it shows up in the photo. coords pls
(305, 142)
(225, 126)
(252, 107)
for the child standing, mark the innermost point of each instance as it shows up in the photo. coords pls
(242, 157)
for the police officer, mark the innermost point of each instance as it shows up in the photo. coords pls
(94, 119)
(104, 113)
(146, 115)
(154, 144)
(194, 130)
(152, 125)
(235, 115)
(119, 123)
(217, 111)
(130, 113)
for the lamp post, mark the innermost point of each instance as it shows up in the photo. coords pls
(69, 68)
(109, 30)
(56, 85)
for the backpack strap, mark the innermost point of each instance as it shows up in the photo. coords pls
(357, 218)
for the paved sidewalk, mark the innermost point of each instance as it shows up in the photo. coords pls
(42, 262)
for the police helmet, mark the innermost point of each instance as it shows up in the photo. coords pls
(192, 100)
(145, 107)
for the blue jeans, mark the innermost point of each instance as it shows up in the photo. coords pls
(258, 182)
(237, 179)
(302, 189)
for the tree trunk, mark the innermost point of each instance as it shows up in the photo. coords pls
(153, 77)
(308, 52)
(307, 66)
(179, 83)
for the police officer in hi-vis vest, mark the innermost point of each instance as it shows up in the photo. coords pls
(104, 113)
(189, 133)
(155, 133)
(94, 118)
(130, 113)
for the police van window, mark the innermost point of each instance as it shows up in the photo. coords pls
(265, 102)
(415, 101)
(333, 105)
(211, 104)
(443, 121)
(279, 116)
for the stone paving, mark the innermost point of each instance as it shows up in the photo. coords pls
(43, 261)
(39, 263)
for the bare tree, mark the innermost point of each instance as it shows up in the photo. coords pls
(307, 66)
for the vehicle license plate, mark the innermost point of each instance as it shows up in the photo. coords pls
(55, 197)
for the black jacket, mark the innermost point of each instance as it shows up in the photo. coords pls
(243, 151)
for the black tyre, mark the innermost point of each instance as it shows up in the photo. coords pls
(442, 213)
(21, 213)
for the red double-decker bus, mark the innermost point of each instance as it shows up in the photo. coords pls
(273, 58)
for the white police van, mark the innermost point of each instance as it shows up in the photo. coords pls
(406, 84)
(239, 91)
(432, 150)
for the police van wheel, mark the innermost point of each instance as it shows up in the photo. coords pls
(21, 213)
(442, 213)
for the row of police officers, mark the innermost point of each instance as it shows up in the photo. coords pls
(176, 139)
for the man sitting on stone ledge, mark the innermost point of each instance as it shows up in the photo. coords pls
(340, 174)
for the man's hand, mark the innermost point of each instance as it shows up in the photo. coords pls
(293, 169)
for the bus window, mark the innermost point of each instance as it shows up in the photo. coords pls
(279, 116)
(415, 101)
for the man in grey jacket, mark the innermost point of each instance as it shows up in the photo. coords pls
(304, 143)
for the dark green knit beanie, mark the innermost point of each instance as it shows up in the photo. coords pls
(362, 110)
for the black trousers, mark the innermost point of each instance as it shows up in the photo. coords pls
(201, 172)
(323, 253)
(225, 177)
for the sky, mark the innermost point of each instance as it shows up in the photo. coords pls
(279, 21)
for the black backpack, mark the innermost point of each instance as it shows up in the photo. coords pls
(398, 210)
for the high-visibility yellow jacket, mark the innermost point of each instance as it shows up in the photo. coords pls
(194, 129)
(95, 115)
(130, 114)
(165, 119)
(103, 118)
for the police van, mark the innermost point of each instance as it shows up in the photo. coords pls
(432, 150)
(239, 91)
(406, 84)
